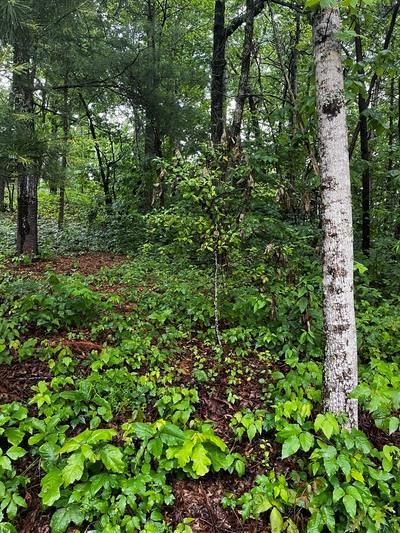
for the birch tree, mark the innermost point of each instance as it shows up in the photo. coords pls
(340, 368)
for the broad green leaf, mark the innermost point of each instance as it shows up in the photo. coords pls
(251, 432)
(201, 461)
(315, 523)
(112, 458)
(276, 521)
(101, 435)
(14, 436)
(290, 446)
(62, 518)
(355, 474)
(73, 471)
(143, 430)
(51, 484)
(15, 452)
(338, 493)
(328, 424)
(350, 505)
(393, 424)
(306, 440)
(344, 464)
(328, 517)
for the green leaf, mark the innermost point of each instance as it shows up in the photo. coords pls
(73, 471)
(312, 4)
(14, 436)
(344, 464)
(112, 458)
(393, 424)
(172, 435)
(201, 461)
(355, 474)
(143, 431)
(251, 432)
(338, 493)
(62, 518)
(15, 452)
(155, 447)
(51, 484)
(315, 523)
(240, 467)
(276, 521)
(101, 435)
(306, 440)
(331, 466)
(328, 424)
(350, 505)
(290, 446)
(328, 517)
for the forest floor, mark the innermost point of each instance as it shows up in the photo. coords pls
(190, 358)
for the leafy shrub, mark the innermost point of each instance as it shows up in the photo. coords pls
(64, 302)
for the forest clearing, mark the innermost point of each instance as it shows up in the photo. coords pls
(199, 266)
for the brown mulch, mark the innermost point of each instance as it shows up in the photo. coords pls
(86, 265)
(201, 500)
(377, 437)
(17, 379)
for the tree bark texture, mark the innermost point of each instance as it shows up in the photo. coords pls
(340, 367)
(27, 182)
(364, 147)
(64, 156)
(243, 89)
(218, 74)
(2, 191)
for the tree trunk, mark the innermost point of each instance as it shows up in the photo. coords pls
(243, 89)
(2, 191)
(64, 157)
(391, 126)
(152, 150)
(340, 368)
(152, 134)
(104, 175)
(11, 192)
(364, 146)
(218, 74)
(27, 183)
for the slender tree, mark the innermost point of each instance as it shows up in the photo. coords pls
(27, 181)
(218, 73)
(364, 145)
(340, 368)
(243, 89)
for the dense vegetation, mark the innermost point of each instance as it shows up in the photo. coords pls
(162, 229)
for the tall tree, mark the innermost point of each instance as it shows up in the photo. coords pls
(243, 89)
(22, 99)
(340, 367)
(364, 144)
(218, 73)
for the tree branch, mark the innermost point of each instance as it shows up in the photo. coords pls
(260, 4)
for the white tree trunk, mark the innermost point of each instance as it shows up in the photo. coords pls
(340, 368)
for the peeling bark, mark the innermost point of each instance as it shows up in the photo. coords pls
(340, 367)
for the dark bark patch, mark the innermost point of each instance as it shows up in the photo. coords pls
(333, 107)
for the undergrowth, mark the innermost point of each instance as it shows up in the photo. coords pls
(114, 423)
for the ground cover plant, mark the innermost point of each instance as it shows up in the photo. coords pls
(199, 266)
(131, 404)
